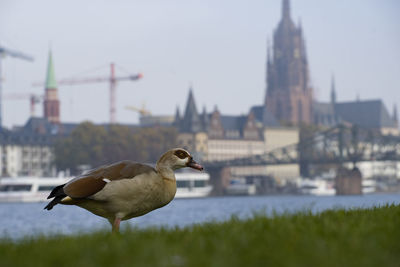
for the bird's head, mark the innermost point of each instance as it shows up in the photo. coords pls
(178, 158)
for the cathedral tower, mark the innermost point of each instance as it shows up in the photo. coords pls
(51, 103)
(289, 95)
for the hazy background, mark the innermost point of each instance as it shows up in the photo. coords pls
(218, 46)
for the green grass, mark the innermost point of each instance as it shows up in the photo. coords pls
(369, 237)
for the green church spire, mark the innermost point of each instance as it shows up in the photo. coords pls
(51, 77)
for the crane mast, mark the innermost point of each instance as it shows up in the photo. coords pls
(12, 53)
(112, 79)
(33, 99)
(113, 118)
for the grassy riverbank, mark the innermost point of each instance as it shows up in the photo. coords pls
(333, 238)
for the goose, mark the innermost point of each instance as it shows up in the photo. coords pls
(125, 189)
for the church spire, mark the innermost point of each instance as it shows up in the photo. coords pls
(51, 77)
(205, 119)
(177, 120)
(300, 27)
(191, 119)
(285, 9)
(51, 104)
(333, 90)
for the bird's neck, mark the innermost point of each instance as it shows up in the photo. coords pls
(165, 171)
(169, 182)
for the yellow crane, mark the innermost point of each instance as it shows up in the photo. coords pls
(142, 110)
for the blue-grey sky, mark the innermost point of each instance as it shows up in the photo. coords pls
(217, 46)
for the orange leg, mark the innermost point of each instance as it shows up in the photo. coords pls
(115, 225)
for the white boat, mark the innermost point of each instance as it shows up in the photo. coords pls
(192, 184)
(36, 189)
(317, 187)
(368, 186)
(326, 187)
(28, 189)
(238, 187)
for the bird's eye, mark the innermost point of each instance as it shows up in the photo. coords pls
(181, 154)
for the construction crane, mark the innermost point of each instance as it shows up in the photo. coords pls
(147, 119)
(12, 53)
(112, 79)
(142, 111)
(33, 99)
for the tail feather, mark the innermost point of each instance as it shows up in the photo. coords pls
(56, 190)
(58, 194)
(52, 203)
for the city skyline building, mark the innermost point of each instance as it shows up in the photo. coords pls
(51, 103)
(288, 95)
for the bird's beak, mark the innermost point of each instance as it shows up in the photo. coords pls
(194, 165)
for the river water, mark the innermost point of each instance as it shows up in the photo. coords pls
(19, 220)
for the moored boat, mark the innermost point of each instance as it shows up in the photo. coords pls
(192, 184)
(36, 189)
(28, 189)
(326, 187)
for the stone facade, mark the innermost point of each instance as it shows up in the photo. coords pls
(289, 95)
(51, 106)
(213, 136)
(348, 182)
(25, 154)
(278, 137)
(367, 114)
(217, 137)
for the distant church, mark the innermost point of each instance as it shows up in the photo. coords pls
(51, 103)
(289, 95)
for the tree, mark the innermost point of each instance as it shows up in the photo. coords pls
(121, 143)
(94, 145)
(82, 147)
(156, 141)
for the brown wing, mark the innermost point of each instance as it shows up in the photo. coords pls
(93, 181)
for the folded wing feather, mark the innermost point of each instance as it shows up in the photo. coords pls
(93, 181)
